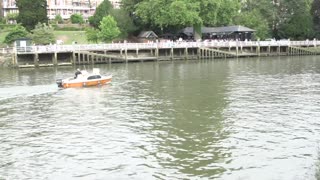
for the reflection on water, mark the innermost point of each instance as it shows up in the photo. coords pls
(223, 119)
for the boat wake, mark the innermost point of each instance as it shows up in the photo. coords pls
(24, 91)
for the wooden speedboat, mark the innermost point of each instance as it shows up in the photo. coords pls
(85, 79)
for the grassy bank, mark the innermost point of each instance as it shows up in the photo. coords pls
(71, 36)
(66, 36)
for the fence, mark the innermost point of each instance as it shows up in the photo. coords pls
(153, 45)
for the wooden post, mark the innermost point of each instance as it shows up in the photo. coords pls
(15, 59)
(157, 53)
(192, 53)
(55, 59)
(207, 53)
(126, 54)
(36, 59)
(93, 58)
(73, 58)
(186, 53)
(237, 50)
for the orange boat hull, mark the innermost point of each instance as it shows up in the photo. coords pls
(96, 82)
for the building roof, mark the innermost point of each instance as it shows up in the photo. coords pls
(147, 34)
(226, 29)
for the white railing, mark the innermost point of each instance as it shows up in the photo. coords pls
(6, 50)
(168, 44)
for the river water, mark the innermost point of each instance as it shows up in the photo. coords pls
(256, 118)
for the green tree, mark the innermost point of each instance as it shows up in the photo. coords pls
(58, 19)
(129, 5)
(124, 22)
(76, 19)
(16, 33)
(183, 13)
(169, 13)
(31, 13)
(266, 8)
(92, 34)
(315, 12)
(108, 29)
(253, 19)
(218, 12)
(296, 20)
(42, 34)
(102, 10)
(285, 18)
(299, 27)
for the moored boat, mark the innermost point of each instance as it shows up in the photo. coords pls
(84, 79)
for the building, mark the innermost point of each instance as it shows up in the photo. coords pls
(63, 7)
(224, 33)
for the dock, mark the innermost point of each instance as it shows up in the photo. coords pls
(68, 55)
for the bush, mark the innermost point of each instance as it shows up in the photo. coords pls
(76, 19)
(7, 27)
(58, 19)
(16, 33)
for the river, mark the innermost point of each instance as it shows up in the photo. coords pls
(255, 118)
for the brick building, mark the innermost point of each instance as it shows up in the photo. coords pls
(63, 7)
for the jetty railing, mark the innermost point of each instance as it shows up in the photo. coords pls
(154, 45)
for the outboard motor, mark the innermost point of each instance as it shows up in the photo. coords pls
(59, 83)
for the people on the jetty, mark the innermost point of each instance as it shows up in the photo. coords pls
(77, 73)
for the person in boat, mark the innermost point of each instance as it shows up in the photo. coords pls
(77, 73)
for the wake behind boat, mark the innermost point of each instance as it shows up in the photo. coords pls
(84, 79)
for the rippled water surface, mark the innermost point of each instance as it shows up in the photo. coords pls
(222, 119)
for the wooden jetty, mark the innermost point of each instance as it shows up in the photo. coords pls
(61, 55)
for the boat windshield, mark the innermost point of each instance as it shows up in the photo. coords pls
(94, 77)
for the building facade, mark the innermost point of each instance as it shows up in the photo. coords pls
(63, 7)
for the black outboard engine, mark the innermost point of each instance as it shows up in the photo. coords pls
(59, 83)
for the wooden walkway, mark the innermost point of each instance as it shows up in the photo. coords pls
(55, 55)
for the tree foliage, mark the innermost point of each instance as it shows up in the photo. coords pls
(92, 34)
(102, 10)
(16, 33)
(76, 19)
(315, 13)
(218, 12)
(183, 13)
(296, 20)
(42, 34)
(169, 13)
(31, 13)
(58, 19)
(124, 22)
(254, 20)
(12, 16)
(108, 29)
